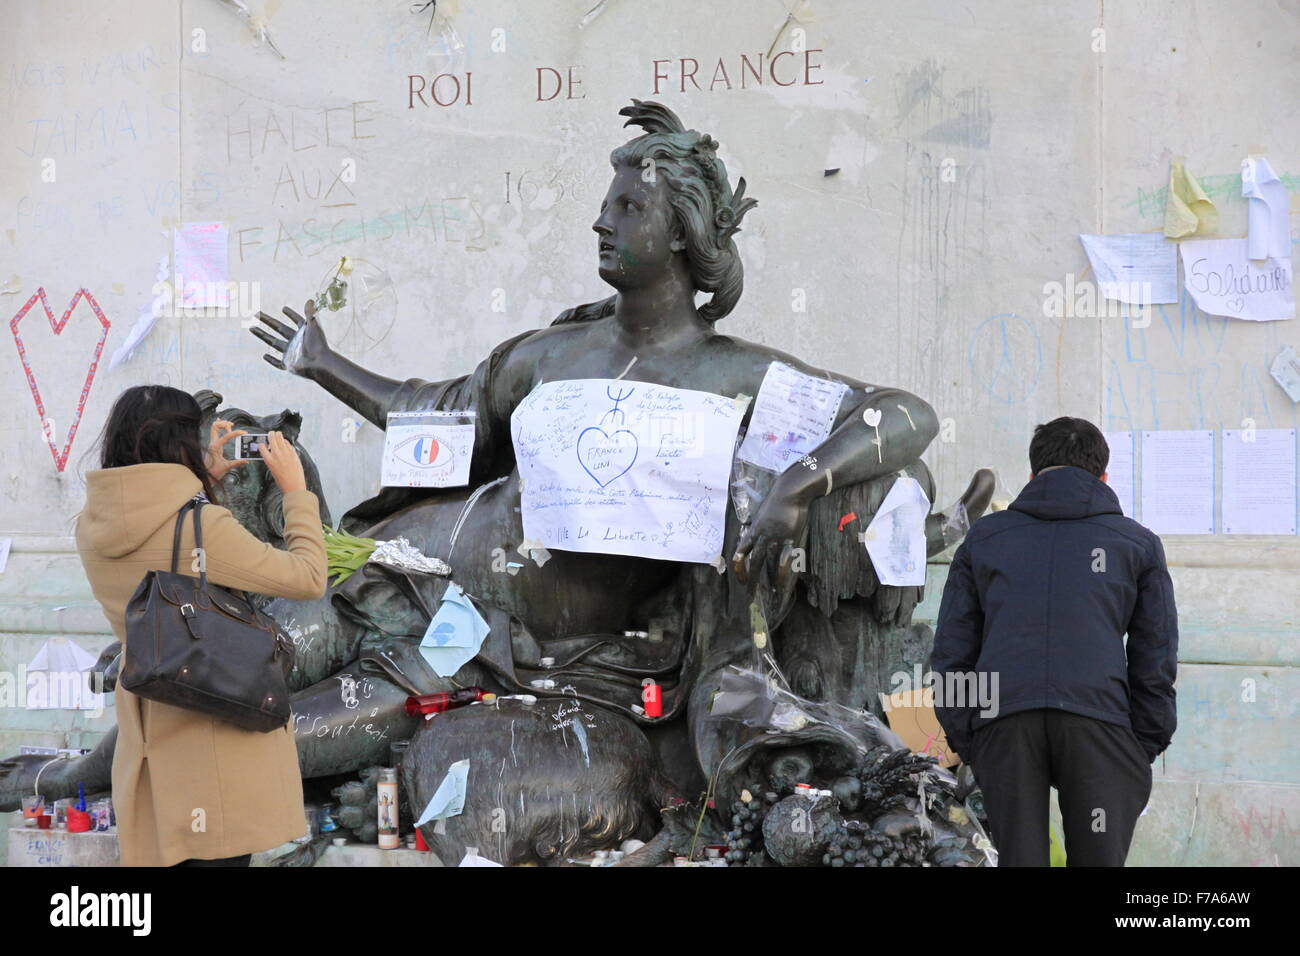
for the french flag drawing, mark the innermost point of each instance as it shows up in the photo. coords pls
(425, 451)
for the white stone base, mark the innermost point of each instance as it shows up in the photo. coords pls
(29, 846)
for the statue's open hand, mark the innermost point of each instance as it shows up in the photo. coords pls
(300, 347)
(772, 541)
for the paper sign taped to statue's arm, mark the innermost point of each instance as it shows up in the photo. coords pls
(895, 538)
(911, 715)
(793, 414)
(428, 449)
(623, 467)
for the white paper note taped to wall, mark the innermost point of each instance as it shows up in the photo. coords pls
(1269, 213)
(202, 265)
(1178, 482)
(1119, 473)
(58, 677)
(895, 539)
(1224, 281)
(623, 467)
(1286, 372)
(147, 318)
(1140, 268)
(428, 449)
(793, 414)
(1259, 481)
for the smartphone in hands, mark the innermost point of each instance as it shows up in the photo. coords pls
(249, 447)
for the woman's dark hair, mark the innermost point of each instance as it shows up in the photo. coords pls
(155, 423)
(1069, 441)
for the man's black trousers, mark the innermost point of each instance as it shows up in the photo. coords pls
(1100, 772)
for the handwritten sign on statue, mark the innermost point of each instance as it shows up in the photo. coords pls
(428, 449)
(622, 467)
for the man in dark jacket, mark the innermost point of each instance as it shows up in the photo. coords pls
(1038, 600)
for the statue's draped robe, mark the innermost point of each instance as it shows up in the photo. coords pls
(838, 620)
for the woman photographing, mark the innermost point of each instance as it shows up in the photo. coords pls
(189, 789)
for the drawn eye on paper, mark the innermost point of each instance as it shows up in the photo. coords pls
(425, 451)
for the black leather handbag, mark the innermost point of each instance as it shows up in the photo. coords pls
(205, 648)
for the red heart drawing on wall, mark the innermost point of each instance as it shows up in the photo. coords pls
(60, 458)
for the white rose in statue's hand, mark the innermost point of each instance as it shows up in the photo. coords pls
(300, 347)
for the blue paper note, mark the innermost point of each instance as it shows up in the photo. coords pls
(449, 799)
(454, 635)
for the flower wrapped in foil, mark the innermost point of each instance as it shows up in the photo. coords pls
(399, 553)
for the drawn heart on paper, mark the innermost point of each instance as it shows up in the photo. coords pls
(60, 458)
(1236, 305)
(608, 456)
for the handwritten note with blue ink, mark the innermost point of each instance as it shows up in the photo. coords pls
(793, 414)
(621, 467)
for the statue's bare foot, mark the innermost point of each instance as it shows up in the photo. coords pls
(944, 529)
(979, 493)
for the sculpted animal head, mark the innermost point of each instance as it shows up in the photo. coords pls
(250, 492)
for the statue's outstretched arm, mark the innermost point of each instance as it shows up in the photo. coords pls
(489, 390)
(303, 350)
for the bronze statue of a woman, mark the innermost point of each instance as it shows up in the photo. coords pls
(582, 632)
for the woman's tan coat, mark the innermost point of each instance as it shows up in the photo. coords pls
(185, 785)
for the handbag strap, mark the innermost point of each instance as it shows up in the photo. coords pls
(176, 535)
(196, 504)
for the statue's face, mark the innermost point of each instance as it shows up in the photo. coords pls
(635, 230)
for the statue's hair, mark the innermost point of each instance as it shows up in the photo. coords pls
(700, 196)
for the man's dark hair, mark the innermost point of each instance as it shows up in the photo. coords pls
(1069, 441)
